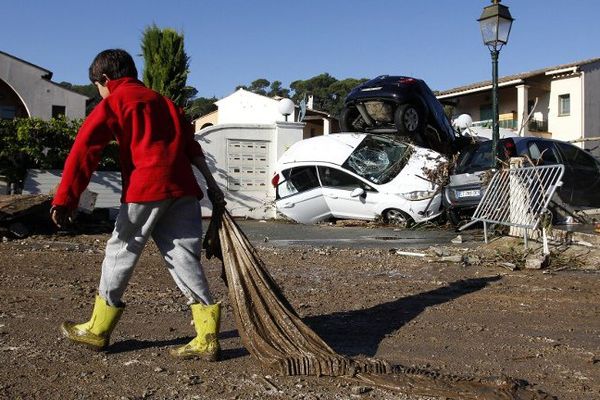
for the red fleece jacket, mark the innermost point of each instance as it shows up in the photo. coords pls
(156, 146)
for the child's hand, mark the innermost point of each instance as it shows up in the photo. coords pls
(61, 215)
(216, 197)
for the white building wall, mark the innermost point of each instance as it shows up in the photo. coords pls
(543, 103)
(566, 127)
(256, 202)
(250, 108)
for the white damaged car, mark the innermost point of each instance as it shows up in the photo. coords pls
(357, 176)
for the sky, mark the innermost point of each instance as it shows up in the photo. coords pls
(234, 42)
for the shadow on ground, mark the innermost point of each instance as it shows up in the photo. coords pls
(359, 332)
(135, 344)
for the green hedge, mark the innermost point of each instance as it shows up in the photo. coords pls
(27, 143)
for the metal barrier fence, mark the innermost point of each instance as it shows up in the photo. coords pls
(518, 197)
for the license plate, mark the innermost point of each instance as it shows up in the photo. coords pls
(468, 193)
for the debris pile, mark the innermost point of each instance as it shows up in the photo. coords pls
(20, 214)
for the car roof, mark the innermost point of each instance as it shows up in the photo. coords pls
(520, 139)
(334, 148)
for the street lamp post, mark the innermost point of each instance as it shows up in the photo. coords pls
(495, 23)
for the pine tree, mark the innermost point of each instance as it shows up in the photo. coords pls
(165, 63)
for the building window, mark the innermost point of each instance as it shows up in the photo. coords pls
(57, 111)
(564, 104)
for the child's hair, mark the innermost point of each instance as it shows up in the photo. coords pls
(114, 63)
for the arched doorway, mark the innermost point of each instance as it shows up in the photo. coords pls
(11, 105)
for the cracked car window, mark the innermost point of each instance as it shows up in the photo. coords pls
(378, 159)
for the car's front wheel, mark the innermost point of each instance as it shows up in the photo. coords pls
(409, 119)
(393, 216)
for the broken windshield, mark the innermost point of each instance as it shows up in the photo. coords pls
(378, 158)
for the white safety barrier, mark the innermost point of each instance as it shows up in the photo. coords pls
(518, 197)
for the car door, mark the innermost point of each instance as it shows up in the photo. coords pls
(339, 189)
(300, 196)
(584, 176)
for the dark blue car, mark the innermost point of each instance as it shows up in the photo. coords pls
(402, 105)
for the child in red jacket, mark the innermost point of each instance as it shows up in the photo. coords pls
(160, 199)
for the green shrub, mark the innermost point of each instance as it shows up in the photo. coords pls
(27, 143)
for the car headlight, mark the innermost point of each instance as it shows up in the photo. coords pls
(418, 195)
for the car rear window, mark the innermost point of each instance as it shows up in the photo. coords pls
(378, 158)
(577, 157)
(543, 153)
(478, 157)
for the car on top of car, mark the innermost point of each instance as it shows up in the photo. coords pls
(401, 105)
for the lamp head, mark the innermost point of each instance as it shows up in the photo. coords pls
(495, 23)
(286, 107)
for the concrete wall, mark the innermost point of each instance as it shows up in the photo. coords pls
(471, 104)
(566, 127)
(36, 91)
(591, 106)
(543, 104)
(255, 202)
(106, 183)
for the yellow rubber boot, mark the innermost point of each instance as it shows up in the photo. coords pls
(96, 332)
(206, 343)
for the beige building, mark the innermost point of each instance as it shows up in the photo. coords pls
(27, 90)
(563, 102)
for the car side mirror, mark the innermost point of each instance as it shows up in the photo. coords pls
(357, 192)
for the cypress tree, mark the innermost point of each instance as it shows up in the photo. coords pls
(166, 65)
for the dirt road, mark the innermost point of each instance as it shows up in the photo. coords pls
(472, 318)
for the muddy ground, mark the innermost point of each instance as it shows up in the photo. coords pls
(477, 317)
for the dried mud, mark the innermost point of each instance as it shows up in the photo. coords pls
(457, 319)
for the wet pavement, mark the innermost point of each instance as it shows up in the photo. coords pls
(278, 233)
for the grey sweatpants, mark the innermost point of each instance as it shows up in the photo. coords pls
(175, 225)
